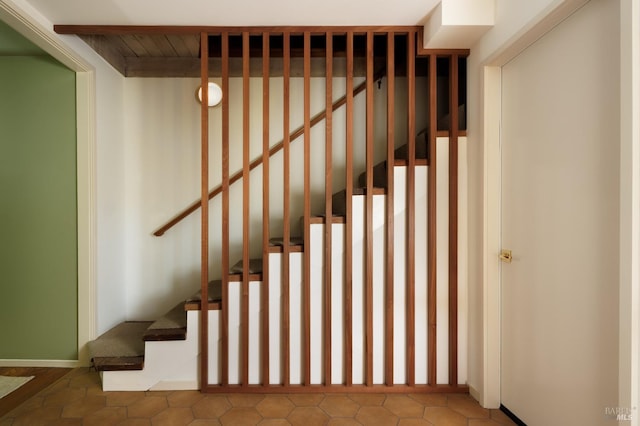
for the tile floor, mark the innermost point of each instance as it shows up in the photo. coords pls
(77, 399)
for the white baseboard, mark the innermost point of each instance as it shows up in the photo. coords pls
(54, 363)
(474, 393)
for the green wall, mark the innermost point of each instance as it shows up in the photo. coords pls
(38, 223)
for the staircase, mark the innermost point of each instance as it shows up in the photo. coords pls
(164, 354)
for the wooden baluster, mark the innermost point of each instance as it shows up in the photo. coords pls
(265, 208)
(306, 311)
(246, 208)
(224, 338)
(432, 226)
(453, 221)
(286, 225)
(204, 205)
(348, 265)
(369, 217)
(411, 213)
(389, 270)
(328, 190)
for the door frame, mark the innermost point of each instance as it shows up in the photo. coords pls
(23, 21)
(629, 286)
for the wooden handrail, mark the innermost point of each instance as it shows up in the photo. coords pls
(255, 163)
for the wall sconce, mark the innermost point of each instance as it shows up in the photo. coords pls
(214, 94)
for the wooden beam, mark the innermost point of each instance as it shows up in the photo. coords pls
(104, 48)
(328, 192)
(265, 209)
(224, 327)
(432, 228)
(411, 215)
(348, 267)
(286, 221)
(196, 29)
(369, 218)
(246, 208)
(390, 213)
(306, 309)
(204, 223)
(453, 222)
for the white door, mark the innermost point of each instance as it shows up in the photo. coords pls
(560, 166)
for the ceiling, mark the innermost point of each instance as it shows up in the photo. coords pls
(236, 12)
(169, 53)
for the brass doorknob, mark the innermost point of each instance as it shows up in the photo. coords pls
(505, 256)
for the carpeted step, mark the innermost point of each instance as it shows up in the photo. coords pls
(121, 348)
(422, 148)
(171, 326)
(379, 176)
(214, 294)
(293, 241)
(255, 267)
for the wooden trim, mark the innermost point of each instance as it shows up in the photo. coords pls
(338, 389)
(390, 213)
(369, 218)
(306, 309)
(246, 191)
(265, 209)
(432, 228)
(195, 29)
(411, 216)
(204, 201)
(453, 223)
(348, 268)
(224, 326)
(328, 192)
(286, 225)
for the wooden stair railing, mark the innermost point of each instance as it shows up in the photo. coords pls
(318, 118)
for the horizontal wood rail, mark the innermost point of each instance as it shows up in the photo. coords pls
(258, 161)
(197, 29)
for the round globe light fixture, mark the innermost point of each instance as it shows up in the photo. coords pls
(214, 94)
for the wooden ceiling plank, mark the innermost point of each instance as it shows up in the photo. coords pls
(165, 46)
(179, 45)
(106, 49)
(162, 67)
(193, 44)
(149, 43)
(134, 44)
(121, 45)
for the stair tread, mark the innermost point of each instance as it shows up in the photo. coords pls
(255, 267)
(400, 153)
(293, 241)
(122, 341)
(118, 363)
(214, 293)
(170, 326)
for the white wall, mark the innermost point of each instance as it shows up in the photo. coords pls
(162, 175)
(109, 185)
